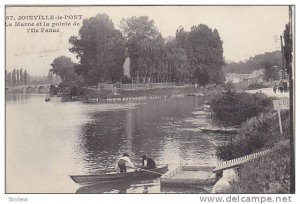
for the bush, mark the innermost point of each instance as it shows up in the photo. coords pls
(229, 87)
(256, 86)
(257, 133)
(235, 108)
(268, 174)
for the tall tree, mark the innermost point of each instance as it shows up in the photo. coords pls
(28, 78)
(205, 54)
(271, 72)
(101, 50)
(288, 48)
(65, 69)
(9, 79)
(25, 77)
(181, 37)
(21, 77)
(204, 49)
(18, 78)
(176, 61)
(145, 47)
(13, 78)
(50, 77)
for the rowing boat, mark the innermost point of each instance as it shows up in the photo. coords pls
(220, 130)
(114, 177)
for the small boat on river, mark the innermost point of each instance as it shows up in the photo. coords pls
(220, 130)
(114, 177)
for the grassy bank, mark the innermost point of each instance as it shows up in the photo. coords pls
(268, 174)
(259, 130)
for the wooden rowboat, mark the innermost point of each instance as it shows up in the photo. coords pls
(114, 177)
(220, 130)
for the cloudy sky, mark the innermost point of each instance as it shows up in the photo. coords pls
(245, 30)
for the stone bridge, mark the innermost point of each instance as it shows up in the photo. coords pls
(40, 88)
(32, 88)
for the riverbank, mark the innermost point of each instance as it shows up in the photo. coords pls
(270, 173)
(95, 96)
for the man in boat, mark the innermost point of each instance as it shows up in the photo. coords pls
(123, 162)
(148, 163)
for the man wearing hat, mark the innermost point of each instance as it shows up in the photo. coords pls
(123, 162)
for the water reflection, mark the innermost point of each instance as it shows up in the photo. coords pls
(121, 188)
(137, 131)
(16, 98)
(75, 138)
(107, 188)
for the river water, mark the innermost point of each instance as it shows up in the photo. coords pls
(48, 141)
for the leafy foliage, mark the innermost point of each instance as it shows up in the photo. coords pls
(235, 108)
(145, 48)
(229, 87)
(204, 53)
(268, 174)
(176, 62)
(256, 86)
(16, 77)
(256, 133)
(288, 48)
(192, 56)
(65, 69)
(271, 72)
(101, 49)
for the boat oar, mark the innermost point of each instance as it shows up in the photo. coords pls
(146, 170)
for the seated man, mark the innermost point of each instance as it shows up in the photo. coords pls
(148, 163)
(123, 162)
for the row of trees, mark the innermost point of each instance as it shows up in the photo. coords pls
(271, 62)
(195, 55)
(17, 77)
(273, 59)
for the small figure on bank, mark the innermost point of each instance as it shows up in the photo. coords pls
(124, 162)
(285, 86)
(148, 163)
(280, 87)
(274, 89)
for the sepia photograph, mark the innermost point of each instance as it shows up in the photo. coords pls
(156, 99)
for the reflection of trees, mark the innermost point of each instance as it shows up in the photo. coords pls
(129, 130)
(102, 138)
(16, 97)
(136, 131)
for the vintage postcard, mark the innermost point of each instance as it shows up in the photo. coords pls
(150, 99)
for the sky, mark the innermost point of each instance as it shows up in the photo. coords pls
(245, 30)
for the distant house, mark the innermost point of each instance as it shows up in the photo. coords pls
(237, 78)
(255, 77)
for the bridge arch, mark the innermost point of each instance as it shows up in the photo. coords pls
(30, 89)
(42, 89)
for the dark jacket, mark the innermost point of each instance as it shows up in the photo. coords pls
(150, 163)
